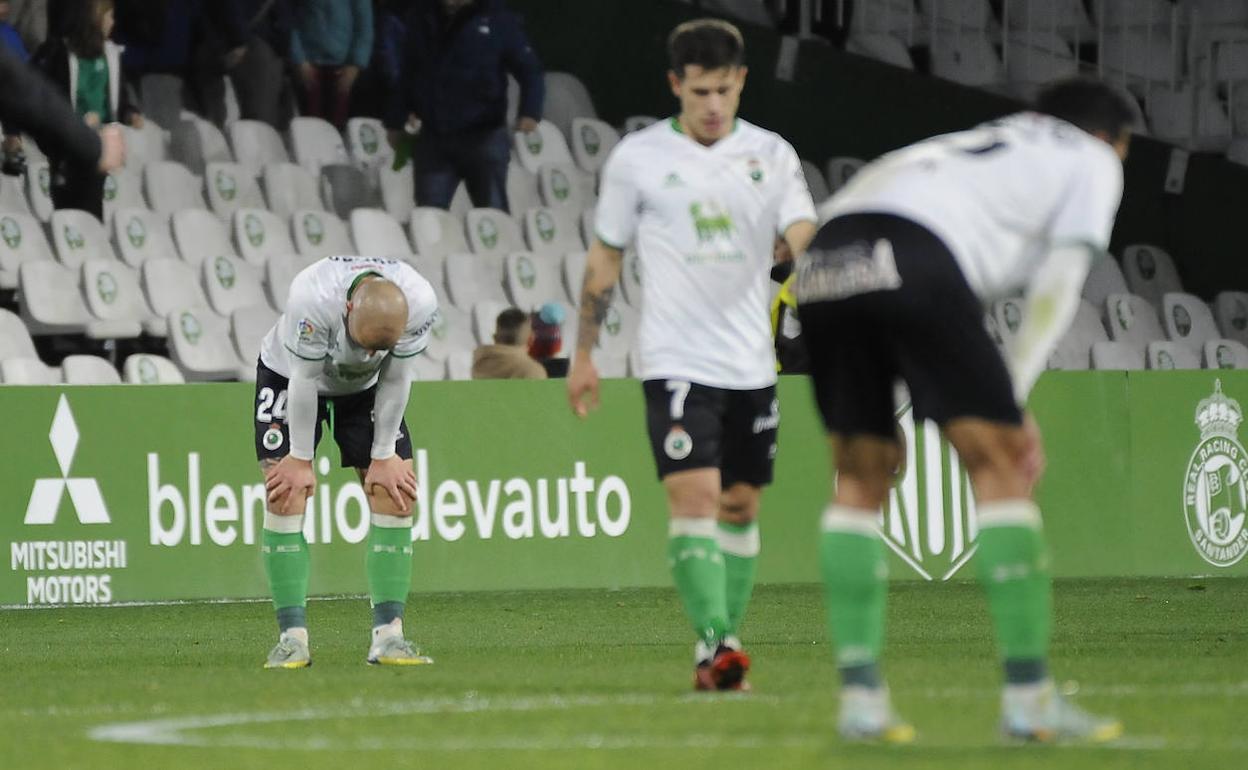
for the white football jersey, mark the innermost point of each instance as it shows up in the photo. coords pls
(704, 221)
(314, 326)
(1000, 195)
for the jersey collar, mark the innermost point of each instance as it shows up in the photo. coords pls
(356, 281)
(674, 122)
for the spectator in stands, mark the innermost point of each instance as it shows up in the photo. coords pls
(331, 43)
(248, 41)
(86, 66)
(14, 160)
(546, 342)
(507, 358)
(456, 55)
(9, 38)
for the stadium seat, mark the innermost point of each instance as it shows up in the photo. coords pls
(883, 47)
(461, 202)
(123, 189)
(140, 235)
(1230, 309)
(815, 182)
(1150, 273)
(1074, 349)
(1105, 278)
(567, 99)
(78, 236)
(21, 240)
(1117, 355)
(89, 370)
(545, 146)
(1199, 123)
(1038, 58)
(248, 325)
(1187, 320)
(459, 366)
(230, 187)
(169, 284)
(161, 97)
(432, 267)
(259, 234)
(315, 143)
(199, 235)
(532, 280)
(630, 278)
(377, 235)
(199, 343)
(1171, 355)
(429, 369)
(345, 188)
(636, 123)
(522, 192)
(451, 333)
(1136, 14)
(610, 366)
(256, 144)
(1139, 57)
(145, 369)
(1065, 18)
(471, 279)
(1132, 320)
(1230, 59)
(435, 232)
(13, 196)
(1007, 316)
(27, 371)
(592, 142)
(113, 296)
(15, 341)
(484, 318)
(279, 271)
(958, 14)
(619, 329)
(1224, 354)
(966, 58)
(170, 187)
(38, 186)
(289, 188)
(573, 274)
(398, 191)
(841, 170)
(493, 233)
(50, 301)
(319, 234)
(567, 186)
(552, 231)
(368, 143)
(230, 284)
(195, 142)
(1226, 13)
(145, 145)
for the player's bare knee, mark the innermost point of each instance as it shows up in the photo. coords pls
(739, 504)
(693, 494)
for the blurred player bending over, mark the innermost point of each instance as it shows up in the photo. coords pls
(704, 196)
(342, 354)
(893, 287)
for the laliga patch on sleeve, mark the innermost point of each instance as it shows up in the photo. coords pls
(306, 330)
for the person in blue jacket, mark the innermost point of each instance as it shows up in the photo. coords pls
(449, 62)
(330, 45)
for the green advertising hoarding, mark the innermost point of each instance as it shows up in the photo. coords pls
(135, 493)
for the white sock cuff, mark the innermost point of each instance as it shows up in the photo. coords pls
(681, 526)
(386, 521)
(735, 542)
(1009, 513)
(286, 525)
(854, 521)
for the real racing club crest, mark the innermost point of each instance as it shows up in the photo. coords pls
(1215, 495)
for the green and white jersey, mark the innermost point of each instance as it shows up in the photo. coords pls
(704, 221)
(314, 326)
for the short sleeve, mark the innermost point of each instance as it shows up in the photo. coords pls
(1085, 214)
(305, 326)
(795, 201)
(619, 202)
(421, 317)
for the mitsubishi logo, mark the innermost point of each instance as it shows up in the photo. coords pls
(84, 493)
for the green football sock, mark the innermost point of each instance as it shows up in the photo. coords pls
(739, 544)
(1013, 568)
(389, 560)
(855, 580)
(286, 562)
(698, 571)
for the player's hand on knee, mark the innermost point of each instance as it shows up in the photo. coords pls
(394, 475)
(583, 386)
(289, 475)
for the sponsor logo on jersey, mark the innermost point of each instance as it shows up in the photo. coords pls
(673, 180)
(769, 421)
(1215, 492)
(678, 444)
(710, 221)
(756, 170)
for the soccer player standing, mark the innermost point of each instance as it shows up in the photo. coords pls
(342, 353)
(704, 197)
(893, 288)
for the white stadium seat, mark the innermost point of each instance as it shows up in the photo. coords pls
(39, 189)
(1230, 308)
(15, 341)
(553, 231)
(377, 235)
(1117, 355)
(493, 233)
(195, 143)
(199, 343)
(368, 143)
(113, 295)
(145, 369)
(89, 370)
(567, 99)
(1149, 273)
(144, 145)
(79, 236)
(532, 280)
(484, 320)
(170, 187)
(1132, 320)
(840, 170)
(1171, 355)
(169, 284)
(13, 196)
(610, 366)
(1066, 18)
(968, 59)
(1138, 14)
(1105, 278)
(123, 189)
(290, 188)
(259, 234)
(619, 329)
(279, 271)
(815, 182)
(1187, 320)
(319, 234)
(573, 274)
(452, 333)
(140, 235)
(27, 371)
(1074, 350)
(398, 191)
(459, 366)
(435, 232)
(471, 279)
(230, 187)
(231, 283)
(566, 185)
(21, 241)
(316, 143)
(346, 188)
(1138, 56)
(1225, 354)
(542, 147)
(1038, 59)
(882, 46)
(630, 278)
(522, 192)
(429, 369)
(432, 267)
(200, 235)
(50, 301)
(256, 144)
(248, 325)
(592, 142)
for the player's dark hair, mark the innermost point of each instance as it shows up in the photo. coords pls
(1089, 104)
(711, 44)
(507, 327)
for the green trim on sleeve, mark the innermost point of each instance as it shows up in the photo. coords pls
(305, 358)
(409, 355)
(608, 243)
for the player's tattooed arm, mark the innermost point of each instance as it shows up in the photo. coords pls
(602, 271)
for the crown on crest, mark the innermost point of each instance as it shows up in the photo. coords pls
(1219, 415)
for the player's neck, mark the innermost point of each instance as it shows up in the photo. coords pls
(683, 125)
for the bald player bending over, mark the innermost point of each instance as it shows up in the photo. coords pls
(342, 353)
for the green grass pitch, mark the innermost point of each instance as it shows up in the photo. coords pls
(594, 679)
